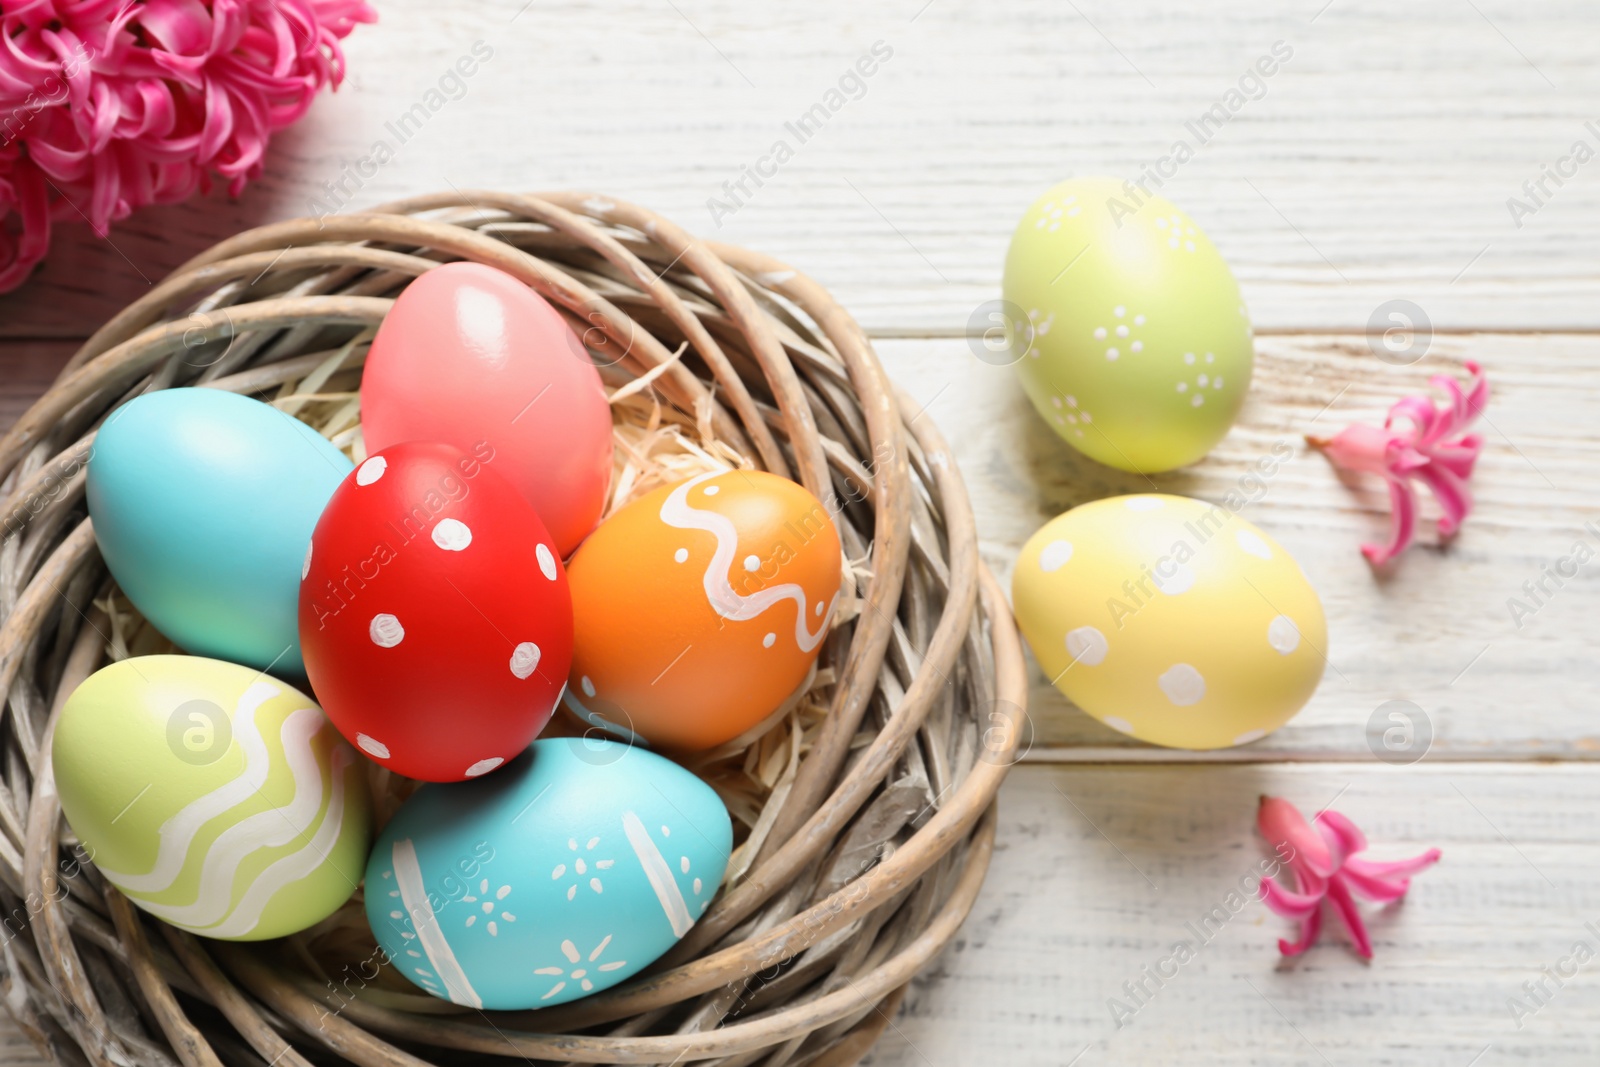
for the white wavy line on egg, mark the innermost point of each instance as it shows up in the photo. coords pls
(265, 829)
(178, 832)
(414, 896)
(658, 874)
(677, 512)
(246, 915)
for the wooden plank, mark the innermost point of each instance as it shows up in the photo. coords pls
(1436, 631)
(1377, 163)
(26, 370)
(1099, 870)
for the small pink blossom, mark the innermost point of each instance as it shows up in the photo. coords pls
(109, 105)
(1419, 441)
(1321, 856)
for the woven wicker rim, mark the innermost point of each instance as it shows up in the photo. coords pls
(930, 684)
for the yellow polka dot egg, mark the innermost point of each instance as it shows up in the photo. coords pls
(1172, 620)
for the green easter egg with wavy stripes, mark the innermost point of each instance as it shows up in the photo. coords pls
(214, 796)
(1133, 341)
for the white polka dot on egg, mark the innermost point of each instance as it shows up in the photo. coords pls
(484, 766)
(452, 535)
(1122, 726)
(1252, 543)
(547, 560)
(681, 555)
(525, 659)
(385, 630)
(1087, 645)
(371, 470)
(1054, 556)
(1183, 685)
(372, 747)
(1283, 635)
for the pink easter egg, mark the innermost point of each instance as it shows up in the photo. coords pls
(471, 357)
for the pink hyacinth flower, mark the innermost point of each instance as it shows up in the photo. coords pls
(1321, 856)
(109, 105)
(1419, 441)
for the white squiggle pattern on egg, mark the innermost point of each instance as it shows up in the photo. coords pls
(265, 829)
(246, 915)
(676, 512)
(178, 832)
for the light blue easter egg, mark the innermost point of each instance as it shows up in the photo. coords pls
(203, 504)
(565, 872)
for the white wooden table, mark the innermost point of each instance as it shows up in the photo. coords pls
(1377, 165)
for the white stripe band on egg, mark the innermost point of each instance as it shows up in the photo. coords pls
(658, 873)
(414, 894)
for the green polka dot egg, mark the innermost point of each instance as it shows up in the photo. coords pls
(1139, 348)
(1171, 620)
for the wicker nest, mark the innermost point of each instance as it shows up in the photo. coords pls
(865, 812)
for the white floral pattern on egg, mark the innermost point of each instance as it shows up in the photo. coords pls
(558, 876)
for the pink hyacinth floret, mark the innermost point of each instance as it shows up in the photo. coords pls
(1321, 855)
(109, 105)
(1423, 442)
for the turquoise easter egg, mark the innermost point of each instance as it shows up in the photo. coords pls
(203, 504)
(565, 872)
(214, 796)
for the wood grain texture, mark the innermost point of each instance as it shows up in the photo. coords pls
(1436, 628)
(1099, 869)
(1376, 164)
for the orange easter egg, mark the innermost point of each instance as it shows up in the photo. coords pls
(699, 608)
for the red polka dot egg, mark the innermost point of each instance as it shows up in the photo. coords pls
(435, 617)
